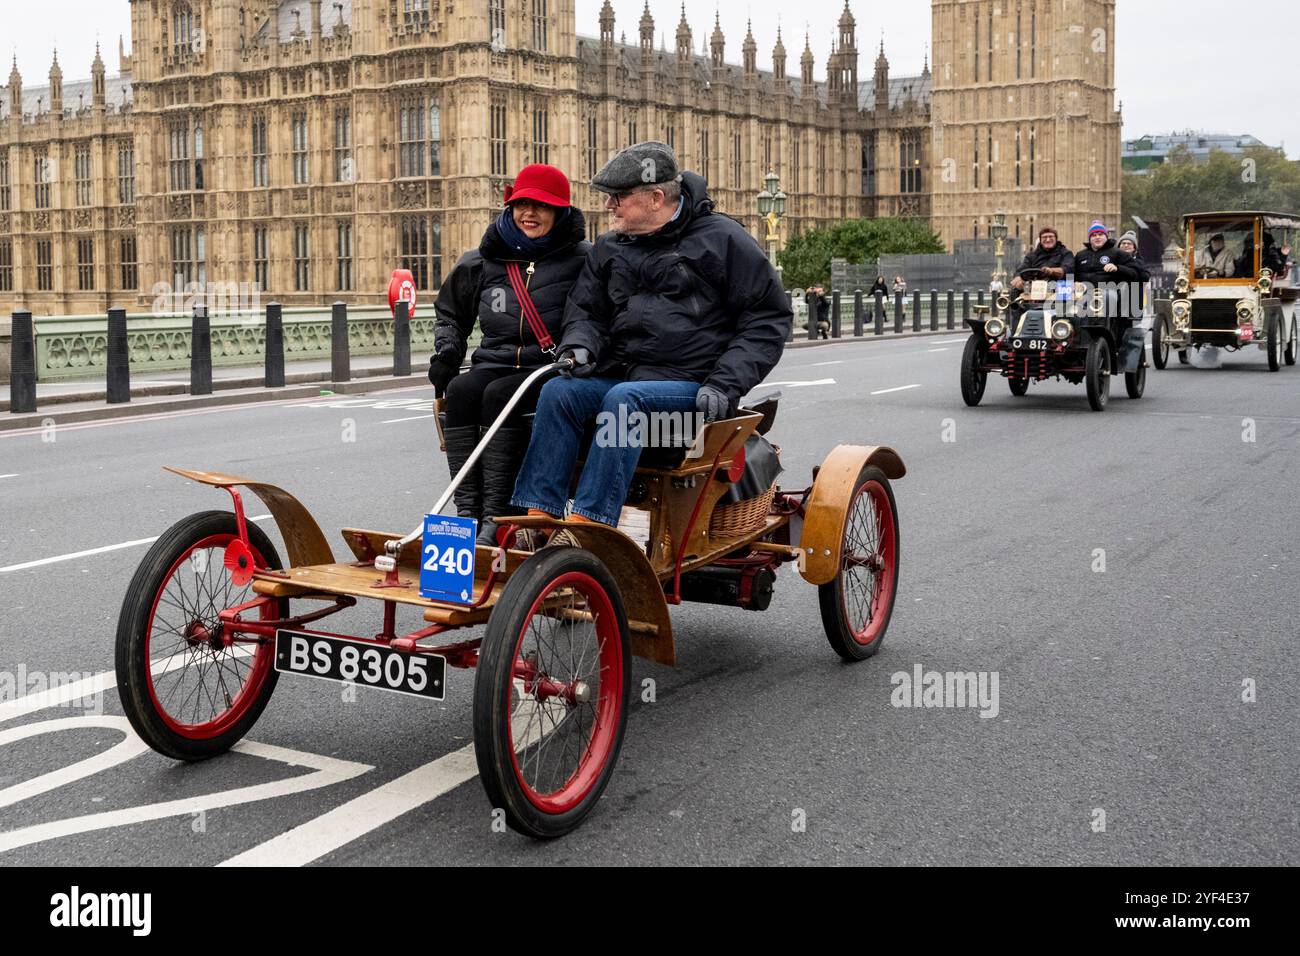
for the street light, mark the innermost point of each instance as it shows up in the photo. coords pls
(771, 208)
(998, 230)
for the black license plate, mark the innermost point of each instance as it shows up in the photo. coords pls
(1031, 345)
(357, 662)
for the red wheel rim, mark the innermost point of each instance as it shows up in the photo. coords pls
(869, 566)
(559, 745)
(202, 690)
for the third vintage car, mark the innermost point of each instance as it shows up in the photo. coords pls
(1235, 290)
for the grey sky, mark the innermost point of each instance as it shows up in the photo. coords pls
(1175, 57)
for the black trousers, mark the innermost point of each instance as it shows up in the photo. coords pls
(477, 397)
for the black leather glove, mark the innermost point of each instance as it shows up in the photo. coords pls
(582, 363)
(713, 404)
(443, 367)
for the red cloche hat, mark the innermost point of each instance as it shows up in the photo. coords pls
(542, 183)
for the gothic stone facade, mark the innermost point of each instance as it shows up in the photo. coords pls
(310, 147)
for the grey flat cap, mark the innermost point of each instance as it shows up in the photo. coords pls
(642, 164)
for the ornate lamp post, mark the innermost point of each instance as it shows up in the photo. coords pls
(771, 207)
(998, 230)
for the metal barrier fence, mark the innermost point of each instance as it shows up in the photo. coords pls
(114, 347)
(71, 347)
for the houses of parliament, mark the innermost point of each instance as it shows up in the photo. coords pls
(311, 147)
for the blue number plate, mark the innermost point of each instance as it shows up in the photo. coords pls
(447, 559)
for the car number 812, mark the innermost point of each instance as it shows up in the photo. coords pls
(1032, 344)
(358, 662)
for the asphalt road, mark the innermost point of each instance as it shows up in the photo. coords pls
(1120, 692)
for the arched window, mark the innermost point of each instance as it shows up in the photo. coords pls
(183, 22)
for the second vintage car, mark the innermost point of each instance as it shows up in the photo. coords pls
(1053, 329)
(1235, 289)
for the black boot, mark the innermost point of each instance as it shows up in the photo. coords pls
(461, 442)
(500, 466)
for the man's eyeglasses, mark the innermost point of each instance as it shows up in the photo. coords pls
(616, 199)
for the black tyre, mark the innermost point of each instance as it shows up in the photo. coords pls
(1273, 337)
(1019, 386)
(1292, 344)
(1159, 344)
(1097, 375)
(973, 377)
(1135, 383)
(551, 691)
(857, 604)
(188, 693)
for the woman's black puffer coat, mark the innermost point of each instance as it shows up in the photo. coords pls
(478, 290)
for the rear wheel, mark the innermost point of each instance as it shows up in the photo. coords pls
(1018, 386)
(551, 691)
(1159, 344)
(1097, 376)
(856, 605)
(189, 692)
(973, 377)
(1273, 335)
(1292, 345)
(1135, 383)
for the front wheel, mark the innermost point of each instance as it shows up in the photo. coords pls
(857, 603)
(1273, 333)
(973, 376)
(1135, 383)
(1291, 345)
(1097, 374)
(189, 692)
(1159, 344)
(551, 691)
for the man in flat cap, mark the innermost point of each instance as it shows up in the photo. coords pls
(676, 310)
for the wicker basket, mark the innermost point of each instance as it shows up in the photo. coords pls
(741, 517)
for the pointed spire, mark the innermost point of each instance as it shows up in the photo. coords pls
(647, 28)
(683, 37)
(15, 92)
(56, 86)
(750, 50)
(606, 23)
(97, 90)
(717, 43)
(778, 56)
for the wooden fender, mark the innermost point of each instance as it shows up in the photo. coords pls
(302, 535)
(643, 595)
(826, 509)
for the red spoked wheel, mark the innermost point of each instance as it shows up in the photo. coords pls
(856, 605)
(551, 691)
(189, 689)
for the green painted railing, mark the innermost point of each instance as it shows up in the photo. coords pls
(74, 346)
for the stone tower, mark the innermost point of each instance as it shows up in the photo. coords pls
(1024, 117)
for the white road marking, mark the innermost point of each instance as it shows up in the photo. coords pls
(93, 551)
(936, 350)
(901, 388)
(327, 771)
(134, 419)
(354, 819)
(820, 381)
(836, 362)
(8, 476)
(393, 421)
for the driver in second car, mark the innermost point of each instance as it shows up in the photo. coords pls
(676, 310)
(1049, 255)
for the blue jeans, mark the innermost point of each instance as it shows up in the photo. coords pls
(565, 408)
